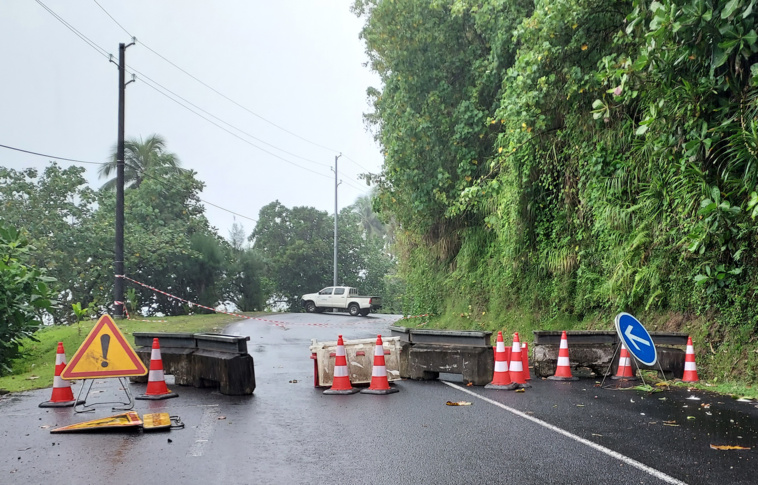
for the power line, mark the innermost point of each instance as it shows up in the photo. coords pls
(150, 84)
(225, 96)
(103, 52)
(222, 121)
(111, 16)
(104, 163)
(89, 42)
(49, 156)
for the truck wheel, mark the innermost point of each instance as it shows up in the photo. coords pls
(365, 312)
(354, 309)
(310, 307)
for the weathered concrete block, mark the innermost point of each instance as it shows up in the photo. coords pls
(598, 358)
(593, 356)
(233, 375)
(475, 364)
(202, 360)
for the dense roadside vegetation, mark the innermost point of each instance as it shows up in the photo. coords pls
(550, 163)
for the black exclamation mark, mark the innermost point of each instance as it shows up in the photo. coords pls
(105, 340)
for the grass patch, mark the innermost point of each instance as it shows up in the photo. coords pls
(36, 368)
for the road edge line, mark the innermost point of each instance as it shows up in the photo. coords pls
(614, 454)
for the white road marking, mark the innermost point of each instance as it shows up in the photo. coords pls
(204, 431)
(629, 461)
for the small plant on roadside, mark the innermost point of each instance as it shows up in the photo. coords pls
(132, 300)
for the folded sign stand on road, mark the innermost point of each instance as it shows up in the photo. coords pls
(125, 420)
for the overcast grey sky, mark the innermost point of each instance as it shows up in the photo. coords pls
(297, 64)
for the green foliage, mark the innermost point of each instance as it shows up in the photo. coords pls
(141, 159)
(168, 242)
(590, 156)
(297, 248)
(25, 294)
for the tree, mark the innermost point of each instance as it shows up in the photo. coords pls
(372, 225)
(244, 280)
(54, 208)
(24, 291)
(296, 246)
(141, 158)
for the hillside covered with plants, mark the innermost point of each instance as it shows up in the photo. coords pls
(574, 158)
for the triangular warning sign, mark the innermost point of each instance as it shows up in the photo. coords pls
(104, 353)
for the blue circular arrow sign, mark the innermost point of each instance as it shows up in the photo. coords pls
(636, 339)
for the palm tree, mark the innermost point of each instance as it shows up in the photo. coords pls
(140, 157)
(372, 226)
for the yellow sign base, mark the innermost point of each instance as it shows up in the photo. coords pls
(156, 421)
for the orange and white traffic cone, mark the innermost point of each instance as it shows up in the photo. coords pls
(63, 396)
(379, 382)
(516, 367)
(624, 370)
(690, 370)
(525, 360)
(501, 378)
(156, 381)
(341, 383)
(563, 370)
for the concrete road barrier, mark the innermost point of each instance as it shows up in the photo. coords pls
(596, 352)
(202, 360)
(431, 352)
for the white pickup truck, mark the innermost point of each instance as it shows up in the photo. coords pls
(341, 298)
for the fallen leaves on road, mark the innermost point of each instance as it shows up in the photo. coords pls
(693, 398)
(293, 381)
(670, 423)
(728, 447)
(221, 417)
(458, 403)
(521, 390)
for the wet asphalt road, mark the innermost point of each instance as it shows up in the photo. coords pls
(289, 432)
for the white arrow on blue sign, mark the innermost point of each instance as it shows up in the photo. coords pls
(637, 340)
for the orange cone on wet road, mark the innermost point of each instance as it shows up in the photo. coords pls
(624, 370)
(62, 396)
(501, 378)
(690, 370)
(379, 382)
(516, 366)
(341, 383)
(156, 381)
(563, 370)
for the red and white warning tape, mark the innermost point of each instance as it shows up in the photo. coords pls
(273, 322)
